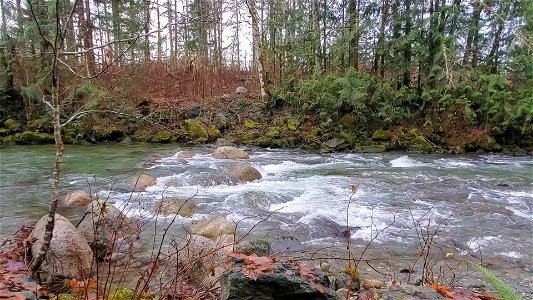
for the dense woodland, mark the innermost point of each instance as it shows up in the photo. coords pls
(458, 71)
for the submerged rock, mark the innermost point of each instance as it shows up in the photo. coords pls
(213, 227)
(103, 224)
(78, 198)
(144, 181)
(69, 254)
(229, 152)
(281, 281)
(245, 172)
(173, 206)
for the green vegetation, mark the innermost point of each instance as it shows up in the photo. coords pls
(504, 290)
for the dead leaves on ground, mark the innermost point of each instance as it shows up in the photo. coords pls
(461, 294)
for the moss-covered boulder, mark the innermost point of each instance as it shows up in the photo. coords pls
(195, 129)
(293, 124)
(30, 138)
(349, 122)
(225, 121)
(250, 124)
(12, 125)
(73, 133)
(213, 133)
(43, 124)
(141, 136)
(163, 137)
(381, 135)
(104, 133)
(273, 132)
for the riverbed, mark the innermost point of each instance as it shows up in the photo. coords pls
(482, 204)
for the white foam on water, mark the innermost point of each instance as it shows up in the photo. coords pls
(476, 243)
(405, 162)
(512, 254)
(452, 163)
(527, 215)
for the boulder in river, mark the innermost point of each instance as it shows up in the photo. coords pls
(335, 143)
(229, 152)
(69, 255)
(213, 227)
(287, 245)
(261, 278)
(245, 172)
(173, 206)
(109, 224)
(143, 181)
(78, 198)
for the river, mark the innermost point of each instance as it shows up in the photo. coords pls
(482, 203)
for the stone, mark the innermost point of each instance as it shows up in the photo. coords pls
(32, 138)
(250, 124)
(241, 91)
(372, 283)
(213, 227)
(286, 245)
(256, 246)
(283, 281)
(409, 292)
(144, 181)
(163, 137)
(245, 172)
(69, 254)
(334, 143)
(186, 154)
(191, 112)
(342, 294)
(381, 135)
(175, 206)
(229, 152)
(293, 124)
(78, 198)
(109, 223)
(225, 120)
(195, 129)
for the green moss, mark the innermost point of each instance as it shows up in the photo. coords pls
(195, 129)
(73, 133)
(273, 132)
(250, 124)
(163, 137)
(63, 296)
(419, 143)
(43, 124)
(103, 133)
(213, 133)
(381, 135)
(122, 294)
(293, 124)
(141, 135)
(11, 125)
(32, 138)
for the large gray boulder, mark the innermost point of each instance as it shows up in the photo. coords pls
(69, 255)
(103, 225)
(269, 280)
(245, 172)
(213, 227)
(229, 152)
(143, 181)
(77, 198)
(176, 206)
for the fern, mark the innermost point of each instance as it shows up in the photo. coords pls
(503, 289)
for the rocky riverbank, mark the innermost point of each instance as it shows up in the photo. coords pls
(245, 122)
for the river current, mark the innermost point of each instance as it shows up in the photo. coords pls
(481, 203)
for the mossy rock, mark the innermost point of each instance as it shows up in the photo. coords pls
(102, 133)
(163, 137)
(32, 138)
(195, 129)
(12, 125)
(141, 136)
(273, 132)
(213, 133)
(349, 122)
(419, 143)
(312, 141)
(293, 124)
(43, 124)
(122, 294)
(250, 124)
(74, 134)
(349, 137)
(381, 135)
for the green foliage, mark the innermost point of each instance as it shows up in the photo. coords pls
(122, 294)
(504, 290)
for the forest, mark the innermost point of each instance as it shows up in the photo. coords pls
(421, 75)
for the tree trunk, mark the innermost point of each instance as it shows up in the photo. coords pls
(380, 52)
(353, 57)
(407, 46)
(146, 31)
(257, 46)
(473, 33)
(495, 49)
(159, 46)
(115, 7)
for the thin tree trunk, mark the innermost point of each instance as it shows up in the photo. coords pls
(146, 31)
(380, 53)
(257, 46)
(494, 51)
(473, 33)
(159, 46)
(407, 46)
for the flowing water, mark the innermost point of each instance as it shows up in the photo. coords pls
(482, 204)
